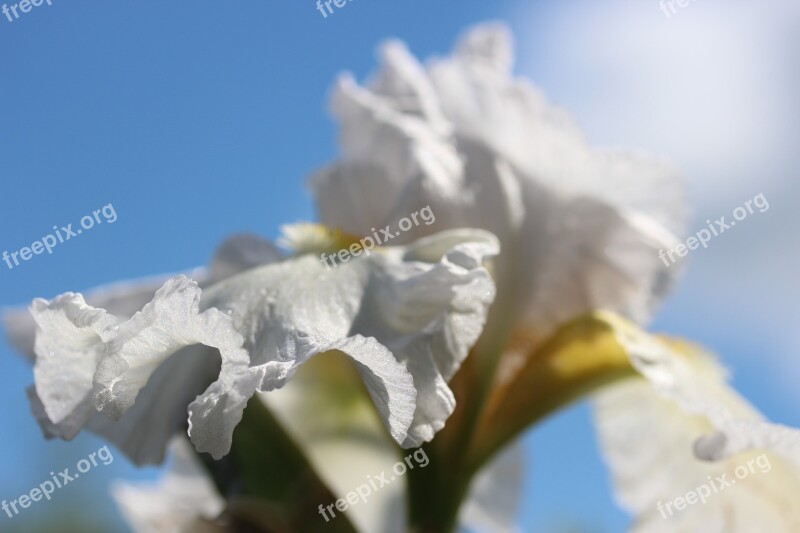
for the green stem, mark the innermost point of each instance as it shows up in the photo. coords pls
(435, 495)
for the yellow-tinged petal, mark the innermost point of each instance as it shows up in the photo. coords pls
(576, 359)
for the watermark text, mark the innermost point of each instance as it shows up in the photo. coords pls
(60, 236)
(378, 238)
(714, 486)
(375, 484)
(58, 481)
(715, 229)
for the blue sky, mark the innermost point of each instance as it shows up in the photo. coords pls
(200, 119)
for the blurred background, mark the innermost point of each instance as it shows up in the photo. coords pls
(200, 119)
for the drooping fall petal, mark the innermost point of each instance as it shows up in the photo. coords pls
(406, 316)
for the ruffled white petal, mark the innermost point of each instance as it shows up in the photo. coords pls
(184, 496)
(160, 410)
(87, 359)
(69, 346)
(72, 350)
(386, 152)
(119, 299)
(140, 345)
(411, 309)
(159, 413)
(391, 311)
(236, 254)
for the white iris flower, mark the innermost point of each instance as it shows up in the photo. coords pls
(576, 233)
(580, 230)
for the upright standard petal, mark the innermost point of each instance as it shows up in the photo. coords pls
(481, 97)
(582, 227)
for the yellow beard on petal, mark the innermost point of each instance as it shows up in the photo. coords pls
(309, 237)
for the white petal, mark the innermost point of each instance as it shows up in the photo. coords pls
(582, 227)
(290, 312)
(419, 308)
(118, 299)
(69, 345)
(585, 255)
(386, 311)
(485, 102)
(449, 303)
(140, 345)
(75, 340)
(696, 387)
(160, 411)
(594, 220)
(236, 254)
(386, 151)
(647, 443)
(170, 322)
(71, 342)
(87, 359)
(405, 84)
(183, 495)
(396, 163)
(373, 131)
